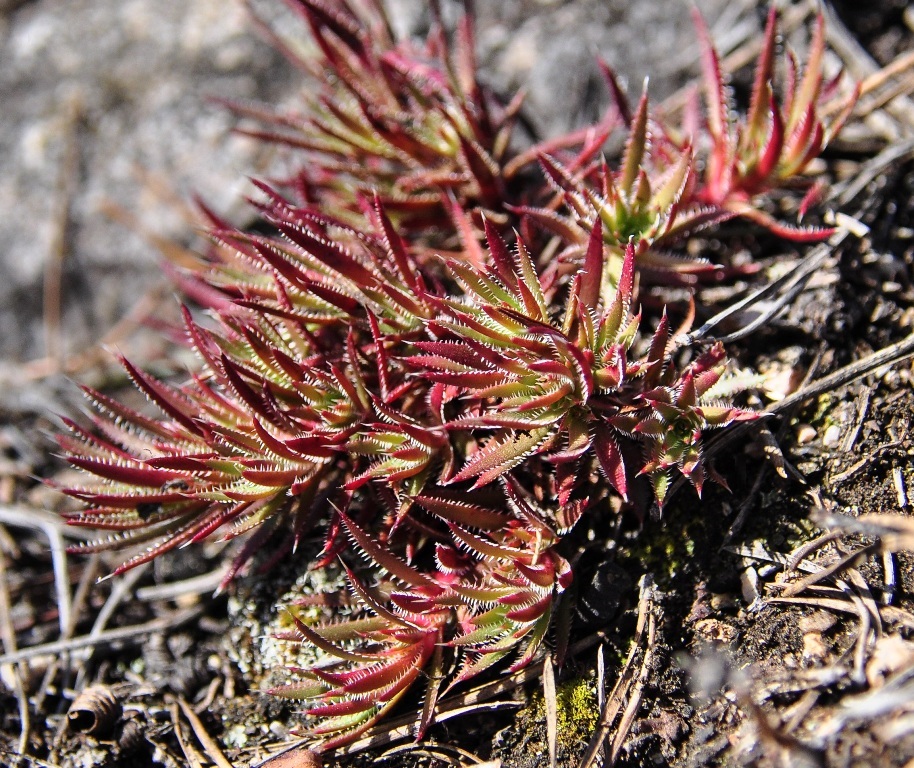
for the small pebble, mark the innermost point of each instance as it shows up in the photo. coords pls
(749, 582)
(722, 602)
(832, 436)
(814, 647)
(805, 434)
(891, 654)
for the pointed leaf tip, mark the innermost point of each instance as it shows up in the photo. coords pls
(591, 275)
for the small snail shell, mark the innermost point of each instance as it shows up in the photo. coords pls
(95, 711)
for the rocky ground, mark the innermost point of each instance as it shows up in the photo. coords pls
(758, 626)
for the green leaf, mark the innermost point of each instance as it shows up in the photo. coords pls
(500, 456)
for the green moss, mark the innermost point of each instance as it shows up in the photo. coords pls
(790, 532)
(664, 550)
(578, 714)
(576, 710)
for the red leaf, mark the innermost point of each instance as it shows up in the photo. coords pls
(383, 557)
(591, 274)
(610, 457)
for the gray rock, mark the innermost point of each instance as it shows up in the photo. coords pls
(109, 98)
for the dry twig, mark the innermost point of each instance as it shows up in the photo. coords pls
(15, 672)
(552, 714)
(213, 750)
(194, 758)
(107, 638)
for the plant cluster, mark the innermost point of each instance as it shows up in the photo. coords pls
(430, 352)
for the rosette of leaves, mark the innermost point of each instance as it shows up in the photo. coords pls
(446, 422)
(489, 599)
(773, 144)
(667, 188)
(290, 384)
(406, 120)
(447, 418)
(648, 203)
(569, 392)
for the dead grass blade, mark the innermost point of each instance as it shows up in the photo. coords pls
(636, 693)
(756, 550)
(296, 755)
(194, 758)
(54, 529)
(778, 740)
(447, 753)
(774, 296)
(844, 194)
(107, 638)
(888, 614)
(552, 713)
(13, 672)
(895, 532)
(853, 558)
(213, 750)
(803, 551)
(122, 590)
(205, 583)
(861, 65)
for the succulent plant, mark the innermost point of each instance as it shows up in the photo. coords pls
(648, 202)
(405, 414)
(774, 143)
(446, 415)
(673, 183)
(409, 122)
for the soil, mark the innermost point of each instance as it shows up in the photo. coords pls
(726, 656)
